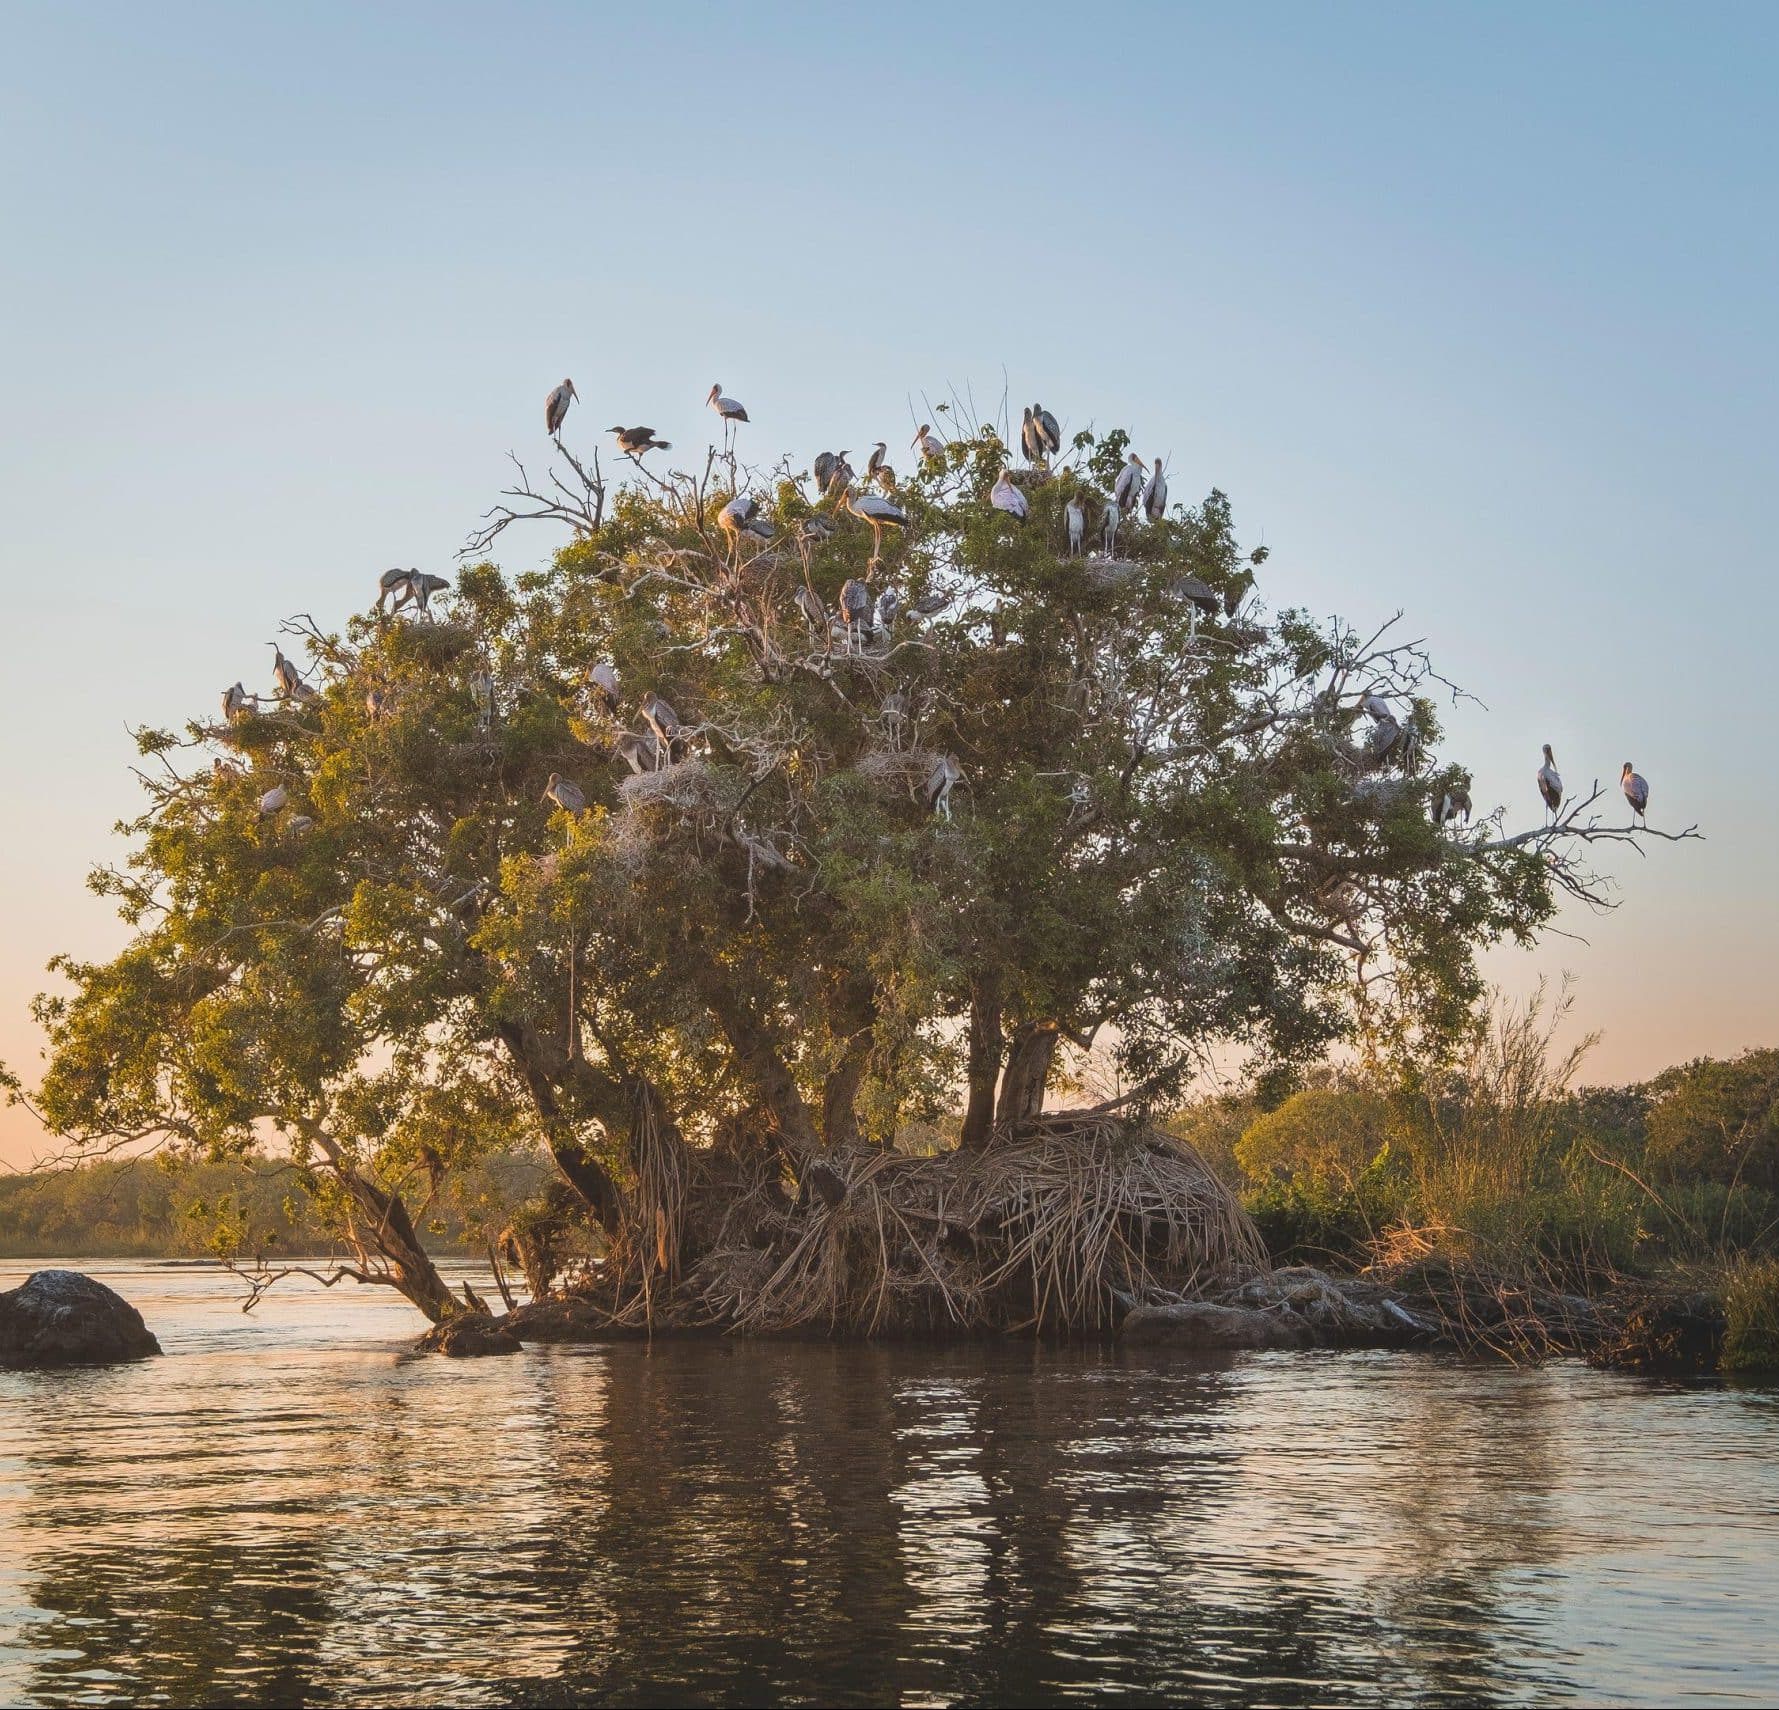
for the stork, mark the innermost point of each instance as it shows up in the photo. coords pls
(394, 582)
(815, 614)
(1075, 516)
(1453, 800)
(662, 720)
(236, 701)
(729, 409)
(1031, 438)
(944, 776)
(928, 443)
(1109, 528)
(856, 602)
(1155, 494)
(1375, 706)
(634, 441)
(481, 688)
(832, 471)
(1049, 430)
(424, 587)
(1550, 782)
(1385, 734)
(880, 513)
(565, 793)
(889, 606)
(875, 461)
(285, 675)
(556, 407)
(1004, 496)
(817, 527)
(273, 801)
(931, 604)
(1636, 788)
(603, 678)
(376, 701)
(737, 517)
(297, 824)
(1127, 490)
(640, 752)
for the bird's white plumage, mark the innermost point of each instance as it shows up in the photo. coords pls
(1005, 496)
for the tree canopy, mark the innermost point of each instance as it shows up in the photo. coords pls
(813, 880)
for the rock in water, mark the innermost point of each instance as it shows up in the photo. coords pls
(465, 1335)
(61, 1318)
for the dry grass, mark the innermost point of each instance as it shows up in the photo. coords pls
(1057, 1229)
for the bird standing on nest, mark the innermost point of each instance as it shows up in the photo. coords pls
(1005, 496)
(1075, 516)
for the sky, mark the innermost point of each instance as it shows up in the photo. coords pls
(1469, 309)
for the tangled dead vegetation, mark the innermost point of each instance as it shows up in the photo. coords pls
(1058, 1228)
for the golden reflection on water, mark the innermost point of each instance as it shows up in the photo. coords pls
(292, 1508)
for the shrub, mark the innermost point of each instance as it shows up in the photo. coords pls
(1322, 1136)
(1751, 1317)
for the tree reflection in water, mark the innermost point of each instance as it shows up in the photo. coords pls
(760, 1522)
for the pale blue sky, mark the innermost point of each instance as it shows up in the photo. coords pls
(1470, 309)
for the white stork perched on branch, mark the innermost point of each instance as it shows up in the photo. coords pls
(880, 513)
(1550, 782)
(1636, 788)
(731, 411)
(941, 780)
(1155, 494)
(928, 443)
(556, 407)
(1127, 490)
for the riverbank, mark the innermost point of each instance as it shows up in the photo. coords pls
(1667, 1329)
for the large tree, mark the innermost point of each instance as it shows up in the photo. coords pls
(1174, 824)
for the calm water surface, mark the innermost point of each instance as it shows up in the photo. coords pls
(292, 1508)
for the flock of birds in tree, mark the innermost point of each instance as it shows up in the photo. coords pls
(1139, 487)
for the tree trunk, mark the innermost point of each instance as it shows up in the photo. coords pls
(760, 1060)
(379, 1227)
(854, 1013)
(985, 1060)
(580, 1169)
(1028, 1068)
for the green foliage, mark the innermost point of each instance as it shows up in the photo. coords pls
(1327, 1135)
(1751, 1317)
(1718, 1119)
(1166, 838)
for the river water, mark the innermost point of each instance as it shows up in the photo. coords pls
(291, 1507)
